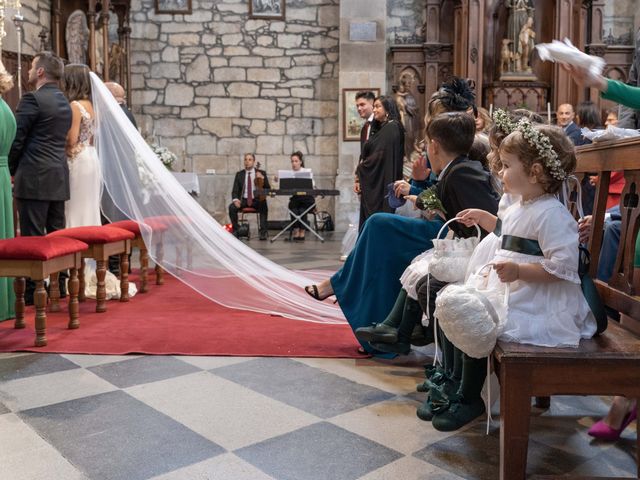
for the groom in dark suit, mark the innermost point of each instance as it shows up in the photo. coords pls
(37, 158)
(243, 194)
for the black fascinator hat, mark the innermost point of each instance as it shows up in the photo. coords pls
(458, 95)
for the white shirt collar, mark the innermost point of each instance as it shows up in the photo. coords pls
(370, 119)
(445, 169)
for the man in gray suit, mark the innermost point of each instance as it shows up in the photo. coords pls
(37, 158)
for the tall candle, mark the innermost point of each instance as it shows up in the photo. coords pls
(491, 110)
(549, 112)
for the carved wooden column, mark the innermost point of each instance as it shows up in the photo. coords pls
(567, 25)
(126, 77)
(56, 23)
(469, 26)
(594, 44)
(91, 21)
(432, 47)
(104, 20)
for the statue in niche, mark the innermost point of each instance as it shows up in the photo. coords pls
(409, 113)
(77, 37)
(525, 46)
(520, 37)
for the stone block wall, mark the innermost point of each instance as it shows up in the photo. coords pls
(215, 84)
(37, 15)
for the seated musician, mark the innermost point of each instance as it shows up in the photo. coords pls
(244, 194)
(299, 203)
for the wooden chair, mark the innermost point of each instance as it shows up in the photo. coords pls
(103, 241)
(38, 258)
(605, 365)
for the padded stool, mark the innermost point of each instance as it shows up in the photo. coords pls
(38, 258)
(103, 241)
(138, 242)
(162, 223)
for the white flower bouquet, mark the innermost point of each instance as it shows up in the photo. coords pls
(166, 156)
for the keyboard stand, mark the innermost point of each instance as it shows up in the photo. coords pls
(298, 218)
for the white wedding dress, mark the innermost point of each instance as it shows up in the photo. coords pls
(83, 207)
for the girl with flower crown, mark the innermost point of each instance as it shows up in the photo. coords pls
(537, 256)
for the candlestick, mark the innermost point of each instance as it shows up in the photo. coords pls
(491, 110)
(549, 112)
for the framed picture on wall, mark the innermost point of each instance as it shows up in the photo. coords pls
(267, 9)
(351, 121)
(173, 6)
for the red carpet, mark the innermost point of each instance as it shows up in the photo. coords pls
(173, 319)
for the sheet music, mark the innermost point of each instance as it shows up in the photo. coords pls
(302, 173)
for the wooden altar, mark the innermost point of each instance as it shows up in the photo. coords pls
(463, 38)
(108, 25)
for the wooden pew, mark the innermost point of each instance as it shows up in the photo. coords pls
(605, 365)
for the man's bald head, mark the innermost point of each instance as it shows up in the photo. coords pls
(116, 90)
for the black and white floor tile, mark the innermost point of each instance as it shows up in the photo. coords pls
(90, 417)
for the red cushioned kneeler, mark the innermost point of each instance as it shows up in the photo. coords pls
(39, 258)
(103, 242)
(158, 227)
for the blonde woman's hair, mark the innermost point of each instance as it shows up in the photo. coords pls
(6, 79)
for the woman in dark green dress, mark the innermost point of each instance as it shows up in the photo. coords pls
(7, 132)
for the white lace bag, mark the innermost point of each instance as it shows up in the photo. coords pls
(471, 315)
(451, 256)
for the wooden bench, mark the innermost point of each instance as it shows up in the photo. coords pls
(605, 365)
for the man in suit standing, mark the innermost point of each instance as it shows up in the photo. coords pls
(37, 159)
(364, 106)
(118, 93)
(565, 116)
(243, 194)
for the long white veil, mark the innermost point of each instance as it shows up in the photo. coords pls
(195, 248)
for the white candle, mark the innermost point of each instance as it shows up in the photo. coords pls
(491, 110)
(549, 112)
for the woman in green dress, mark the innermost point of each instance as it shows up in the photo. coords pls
(7, 132)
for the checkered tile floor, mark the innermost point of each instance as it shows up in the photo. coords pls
(96, 417)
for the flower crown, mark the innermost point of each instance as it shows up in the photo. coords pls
(542, 144)
(502, 120)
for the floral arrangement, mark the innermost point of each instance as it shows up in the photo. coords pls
(428, 200)
(166, 156)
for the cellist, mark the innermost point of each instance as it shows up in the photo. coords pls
(244, 194)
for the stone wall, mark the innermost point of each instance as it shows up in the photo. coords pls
(37, 15)
(215, 84)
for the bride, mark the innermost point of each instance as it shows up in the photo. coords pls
(183, 237)
(85, 182)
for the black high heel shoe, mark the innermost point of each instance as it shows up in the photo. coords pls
(312, 290)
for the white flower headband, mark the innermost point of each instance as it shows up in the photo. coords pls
(542, 144)
(502, 120)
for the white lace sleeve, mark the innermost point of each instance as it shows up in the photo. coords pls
(558, 238)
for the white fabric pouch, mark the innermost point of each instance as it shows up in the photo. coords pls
(451, 256)
(471, 315)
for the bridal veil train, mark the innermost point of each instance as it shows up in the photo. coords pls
(195, 248)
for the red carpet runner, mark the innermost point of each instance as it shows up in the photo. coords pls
(173, 319)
